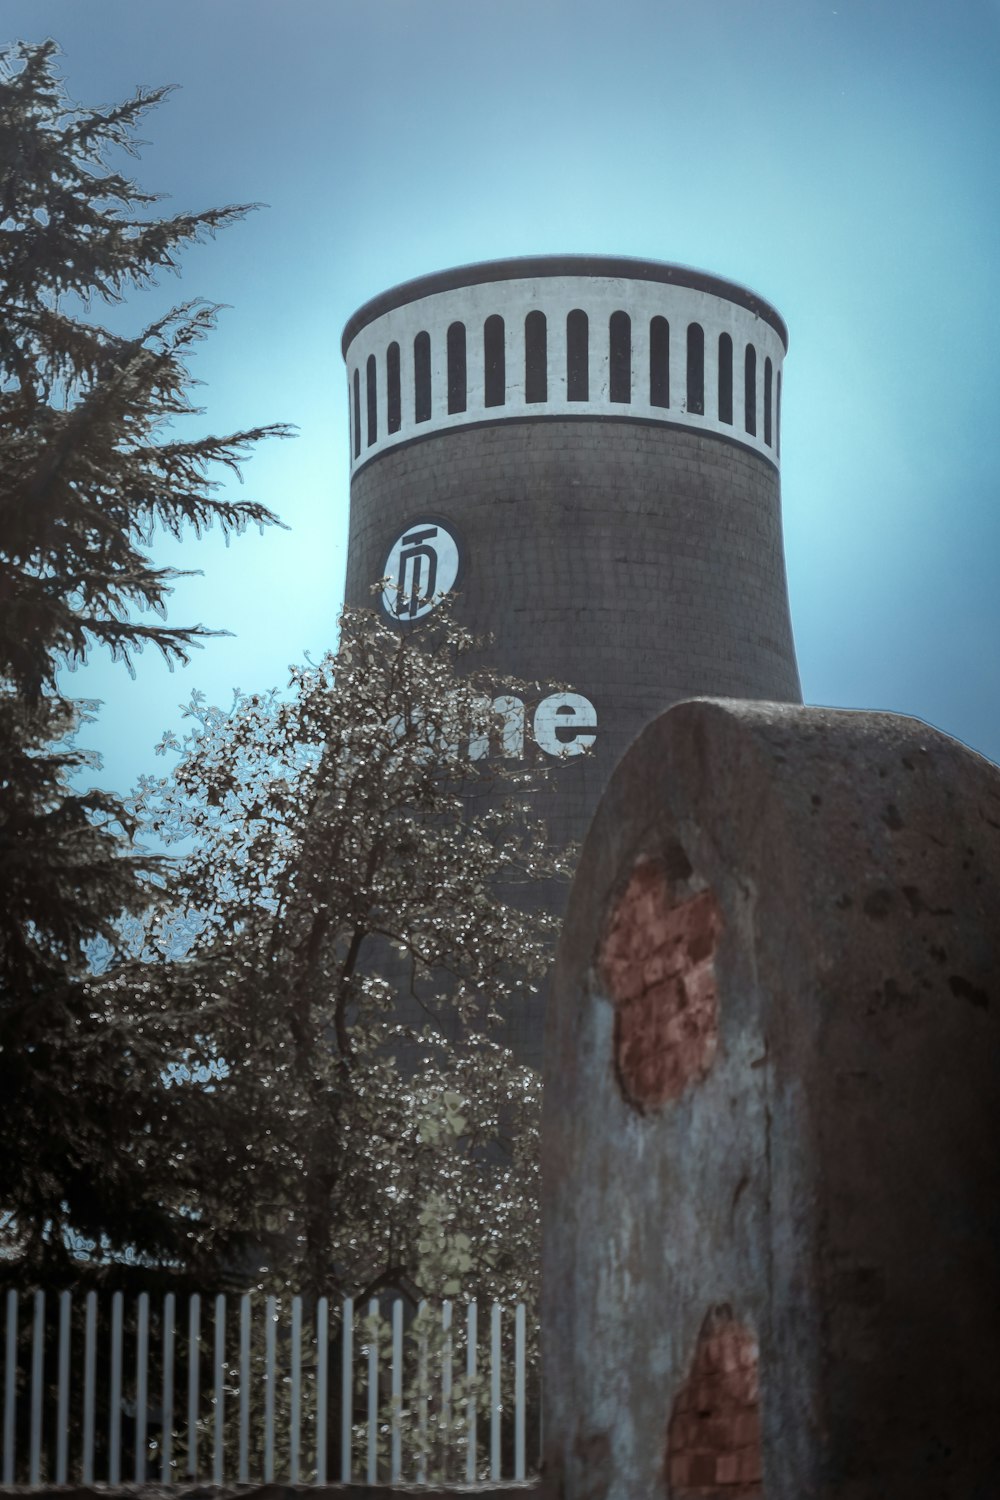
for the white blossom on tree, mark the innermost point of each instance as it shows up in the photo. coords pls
(363, 904)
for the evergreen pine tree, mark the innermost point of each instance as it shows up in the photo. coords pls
(90, 465)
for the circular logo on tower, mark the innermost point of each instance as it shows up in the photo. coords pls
(423, 564)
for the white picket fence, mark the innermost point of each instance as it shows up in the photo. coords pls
(113, 1389)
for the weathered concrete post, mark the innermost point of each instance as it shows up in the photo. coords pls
(772, 1118)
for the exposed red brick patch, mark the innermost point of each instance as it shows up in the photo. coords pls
(713, 1436)
(657, 961)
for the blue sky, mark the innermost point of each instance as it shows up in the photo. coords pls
(838, 158)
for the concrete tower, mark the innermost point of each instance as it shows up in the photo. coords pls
(587, 450)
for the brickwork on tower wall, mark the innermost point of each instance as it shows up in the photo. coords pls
(636, 564)
(630, 553)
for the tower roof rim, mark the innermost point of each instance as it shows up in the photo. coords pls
(527, 267)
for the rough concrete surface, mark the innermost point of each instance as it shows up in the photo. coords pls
(787, 1233)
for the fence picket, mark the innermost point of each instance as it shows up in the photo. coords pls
(167, 1426)
(296, 1393)
(89, 1386)
(244, 1457)
(346, 1388)
(219, 1395)
(322, 1355)
(396, 1417)
(37, 1377)
(10, 1389)
(495, 1392)
(62, 1411)
(470, 1400)
(270, 1325)
(194, 1362)
(115, 1401)
(141, 1406)
(371, 1334)
(519, 1391)
(422, 1394)
(446, 1366)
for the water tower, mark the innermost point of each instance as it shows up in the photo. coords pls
(587, 449)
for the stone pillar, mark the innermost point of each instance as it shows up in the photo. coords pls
(772, 1118)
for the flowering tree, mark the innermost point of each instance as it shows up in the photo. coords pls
(360, 896)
